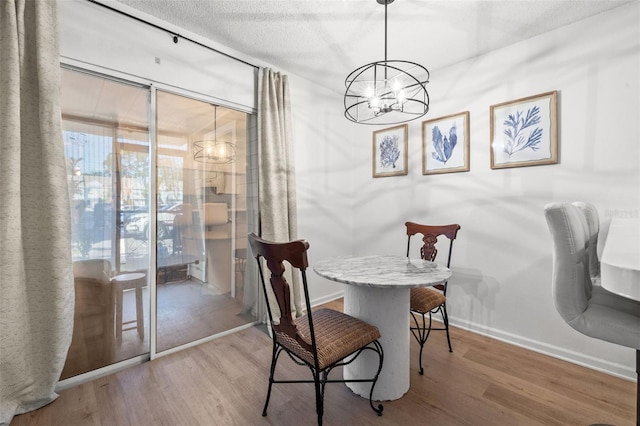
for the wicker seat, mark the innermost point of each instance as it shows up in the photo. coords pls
(322, 340)
(427, 301)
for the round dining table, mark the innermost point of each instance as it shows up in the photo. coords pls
(378, 292)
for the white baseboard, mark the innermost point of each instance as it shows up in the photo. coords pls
(327, 299)
(597, 364)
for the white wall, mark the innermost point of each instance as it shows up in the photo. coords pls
(324, 174)
(502, 258)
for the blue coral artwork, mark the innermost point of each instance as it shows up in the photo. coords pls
(390, 151)
(524, 132)
(443, 147)
(446, 144)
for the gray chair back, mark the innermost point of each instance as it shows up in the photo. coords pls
(589, 309)
(593, 228)
(571, 283)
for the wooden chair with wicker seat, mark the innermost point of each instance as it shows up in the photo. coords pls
(429, 300)
(320, 340)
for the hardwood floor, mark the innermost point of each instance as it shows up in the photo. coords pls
(224, 382)
(187, 311)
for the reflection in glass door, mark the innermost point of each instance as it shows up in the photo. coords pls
(106, 139)
(202, 222)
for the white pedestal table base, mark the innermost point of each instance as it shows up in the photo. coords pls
(387, 309)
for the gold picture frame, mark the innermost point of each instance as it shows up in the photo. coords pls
(445, 144)
(390, 151)
(524, 132)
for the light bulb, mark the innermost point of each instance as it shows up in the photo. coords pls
(401, 96)
(369, 92)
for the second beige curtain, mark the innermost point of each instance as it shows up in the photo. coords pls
(277, 188)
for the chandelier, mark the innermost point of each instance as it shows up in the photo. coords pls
(214, 151)
(386, 92)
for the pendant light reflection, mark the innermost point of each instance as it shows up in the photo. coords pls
(386, 92)
(214, 151)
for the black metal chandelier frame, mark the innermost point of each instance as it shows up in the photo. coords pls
(388, 91)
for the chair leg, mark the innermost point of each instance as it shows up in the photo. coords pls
(380, 352)
(139, 312)
(274, 359)
(421, 371)
(420, 333)
(426, 336)
(423, 332)
(445, 319)
(319, 385)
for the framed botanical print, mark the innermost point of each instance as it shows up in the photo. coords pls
(390, 151)
(524, 132)
(445, 144)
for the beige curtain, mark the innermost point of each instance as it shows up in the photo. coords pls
(36, 283)
(277, 189)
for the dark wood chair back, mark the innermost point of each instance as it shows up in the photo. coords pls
(275, 254)
(430, 234)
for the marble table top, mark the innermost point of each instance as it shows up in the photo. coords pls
(382, 271)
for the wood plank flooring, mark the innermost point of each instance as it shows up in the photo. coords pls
(187, 311)
(224, 382)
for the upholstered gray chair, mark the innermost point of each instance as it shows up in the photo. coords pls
(588, 308)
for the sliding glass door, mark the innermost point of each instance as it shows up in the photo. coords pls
(198, 250)
(105, 132)
(202, 201)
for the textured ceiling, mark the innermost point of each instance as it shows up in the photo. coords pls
(324, 40)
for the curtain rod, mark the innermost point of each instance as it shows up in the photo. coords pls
(175, 35)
